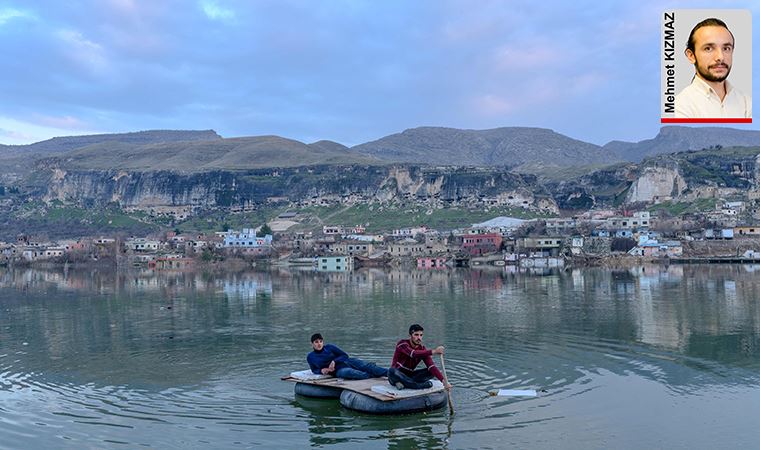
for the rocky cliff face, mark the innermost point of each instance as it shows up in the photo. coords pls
(682, 177)
(134, 188)
(439, 186)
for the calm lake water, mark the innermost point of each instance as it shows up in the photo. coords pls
(651, 357)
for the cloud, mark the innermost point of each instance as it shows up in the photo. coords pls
(83, 51)
(61, 122)
(524, 56)
(372, 68)
(491, 105)
(8, 14)
(213, 11)
(127, 6)
(16, 136)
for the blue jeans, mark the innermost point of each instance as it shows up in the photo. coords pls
(418, 379)
(356, 369)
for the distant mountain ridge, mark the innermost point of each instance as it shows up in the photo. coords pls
(521, 148)
(515, 169)
(673, 139)
(329, 146)
(68, 143)
(207, 155)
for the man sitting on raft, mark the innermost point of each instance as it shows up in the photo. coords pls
(328, 359)
(409, 353)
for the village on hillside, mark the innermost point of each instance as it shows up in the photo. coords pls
(596, 237)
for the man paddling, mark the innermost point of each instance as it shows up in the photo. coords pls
(409, 352)
(328, 359)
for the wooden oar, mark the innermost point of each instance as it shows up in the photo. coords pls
(446, 380)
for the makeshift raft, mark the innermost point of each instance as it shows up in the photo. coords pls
(373, 395)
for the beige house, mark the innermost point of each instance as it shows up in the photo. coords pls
(747, 231)
(539, 242)
(358, 248)
(410, 247)
(560, 226)
(54, 252)
(407, 247)
(640, 219)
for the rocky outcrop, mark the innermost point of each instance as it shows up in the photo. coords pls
(656, 184)
(681, 177)
(600, 188)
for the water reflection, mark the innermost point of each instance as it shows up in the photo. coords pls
(91, 347)
(329, 424)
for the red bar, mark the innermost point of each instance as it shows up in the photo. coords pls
(715, 120)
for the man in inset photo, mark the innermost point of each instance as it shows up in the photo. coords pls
(710, 95)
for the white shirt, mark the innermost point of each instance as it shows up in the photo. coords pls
(699, 100)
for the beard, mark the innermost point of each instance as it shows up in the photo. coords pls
(706, 75)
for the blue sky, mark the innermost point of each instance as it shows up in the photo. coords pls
(344, 70)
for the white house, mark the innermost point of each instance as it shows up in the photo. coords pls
(246, 239)
(142, 245)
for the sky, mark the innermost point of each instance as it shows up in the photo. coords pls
(350, 71)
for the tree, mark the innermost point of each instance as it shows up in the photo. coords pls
(264, 230)
(207, 255)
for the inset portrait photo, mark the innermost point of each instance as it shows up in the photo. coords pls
(706, 66)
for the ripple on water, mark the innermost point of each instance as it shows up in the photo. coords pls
(119, 407)
(234, 400)
(117, 370)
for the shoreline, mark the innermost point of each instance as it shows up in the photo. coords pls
(240, 265)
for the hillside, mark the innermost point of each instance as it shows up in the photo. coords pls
(527, 150)
(329, 146)
(731, 167)
(18, 161)
(673, 139)
(682, 181)
(200, 156)
(68, 199)
(552, 156)
(68, 143)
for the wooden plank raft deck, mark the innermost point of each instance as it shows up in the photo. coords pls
(365, 387)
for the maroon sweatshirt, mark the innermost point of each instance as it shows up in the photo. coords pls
(406, 358)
